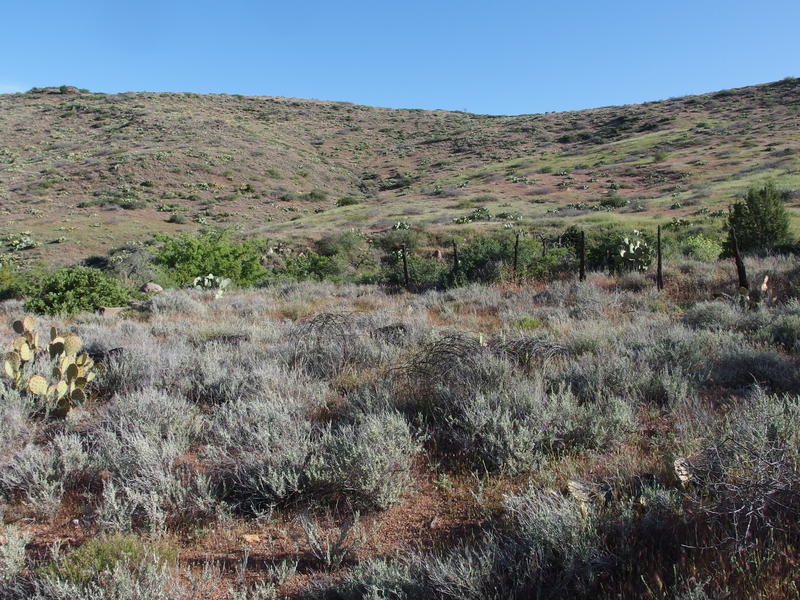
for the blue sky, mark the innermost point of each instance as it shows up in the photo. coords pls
(500, 57)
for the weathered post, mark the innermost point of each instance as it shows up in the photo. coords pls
(582, 256)
(405, 266)
(516, 253)
(455, 259)
(659, 264)
(741, 272)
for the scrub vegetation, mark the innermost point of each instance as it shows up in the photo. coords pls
(545, 439)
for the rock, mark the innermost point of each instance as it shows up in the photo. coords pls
(111, 311)
(151, 288)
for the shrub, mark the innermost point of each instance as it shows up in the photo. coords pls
(747, 474)
(177, 219)
(423, 273)
(745, 368)
(72, 290)
(561, 539)
(12, 551)
(349, 249)
(259, 453)
(761, 221)
(328, 344)
(348, 243)
(552, 551)
(619, 251)
(712, 315)
(613, 201)
(486, 258)
(36, 475)
(131, 264)
(488, 413)
(139, 441)
(309, 265)
(785, 330)
(186, 256)
(12, 284)
(104, 553)
(173, 301)
(150, 579)
(369, 462)
(700, 247)
(333, 549)
(346, 201)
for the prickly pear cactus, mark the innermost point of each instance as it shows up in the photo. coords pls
(71, 370)
(212, 282)
(635, 253)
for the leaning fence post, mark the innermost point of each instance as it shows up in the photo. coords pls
(741, 272)
(405, 266)
(659, 264)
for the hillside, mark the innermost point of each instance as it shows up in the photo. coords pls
(84, 172)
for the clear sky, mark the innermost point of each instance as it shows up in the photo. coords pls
(494, 56)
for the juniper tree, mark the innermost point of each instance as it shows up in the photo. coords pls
(760, 221)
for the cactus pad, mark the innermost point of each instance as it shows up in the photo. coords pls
(37, 385)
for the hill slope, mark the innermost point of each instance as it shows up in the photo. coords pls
(91, 171)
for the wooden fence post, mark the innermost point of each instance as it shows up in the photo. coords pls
(405, 266)
(455, 259)
(741, 272)
(582, 256)
(516, 253)
(659, 265)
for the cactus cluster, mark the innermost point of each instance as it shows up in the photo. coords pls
(212, 282)
(72, 371)
(635, 253)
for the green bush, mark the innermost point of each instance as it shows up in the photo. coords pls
(346, 201)
(761, 221)
(71, 290)
(187, 256)
(399, 235)
(12, 284)
(350, 250)
(701, 248)
(487, 259)
(619, 251)
(85, 563)
(423, 272)
(310, 265)
(613, 201)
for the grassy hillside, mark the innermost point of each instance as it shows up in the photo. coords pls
(85, 172)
